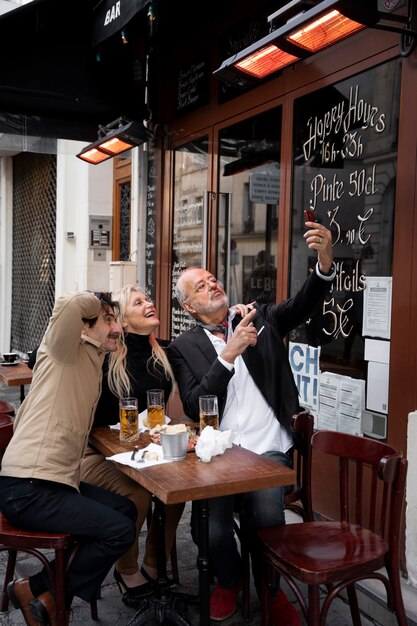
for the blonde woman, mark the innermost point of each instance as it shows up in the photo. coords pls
(139, 364)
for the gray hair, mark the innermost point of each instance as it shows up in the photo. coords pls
(179, 290)
(179, 293)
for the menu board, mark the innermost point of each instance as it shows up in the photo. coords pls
(344, 169)
(193, 86)
(180, 320)
(150, 236)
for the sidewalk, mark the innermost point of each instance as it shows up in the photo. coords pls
(112, 611)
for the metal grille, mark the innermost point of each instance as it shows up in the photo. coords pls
(34, 232)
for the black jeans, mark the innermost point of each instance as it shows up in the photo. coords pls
(104, 522)
(257, 509)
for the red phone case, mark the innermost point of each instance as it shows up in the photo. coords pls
(309, 215)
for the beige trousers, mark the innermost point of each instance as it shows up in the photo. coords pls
(96, 470)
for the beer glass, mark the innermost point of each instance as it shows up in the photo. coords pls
(209, 412)
(129, 422)
(156, 407)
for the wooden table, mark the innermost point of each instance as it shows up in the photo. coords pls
(236, 471)
(15, 375)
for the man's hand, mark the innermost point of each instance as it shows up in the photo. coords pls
(319, 238)
(243, 309)
(244, 335)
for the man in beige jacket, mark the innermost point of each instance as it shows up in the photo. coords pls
(40, 488)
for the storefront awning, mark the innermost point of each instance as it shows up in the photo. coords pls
(111, 15)
(55, 82)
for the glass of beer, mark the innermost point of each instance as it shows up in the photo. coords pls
(209, 412)
(129, 422)
(156, 407)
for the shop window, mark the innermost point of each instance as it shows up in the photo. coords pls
(249, 182)
(189, 237)
(344, 169)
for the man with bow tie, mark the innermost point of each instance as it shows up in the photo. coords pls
(239, 355)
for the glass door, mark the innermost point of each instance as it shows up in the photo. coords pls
(249, 183)
(190, 219)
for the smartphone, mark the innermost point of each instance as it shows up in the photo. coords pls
(309, 215)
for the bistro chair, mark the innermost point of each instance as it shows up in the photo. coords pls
(14, 540)
(6, 408)
(331, 556)
(297, 497)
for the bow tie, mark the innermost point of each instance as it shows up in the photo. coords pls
(221, 328)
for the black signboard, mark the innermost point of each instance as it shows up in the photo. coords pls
(150, 237)
(193, 86)
(344, 169)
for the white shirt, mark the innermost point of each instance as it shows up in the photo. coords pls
(247, 414)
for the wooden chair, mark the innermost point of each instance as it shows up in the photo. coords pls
(297, 497)
(14, 540)
(6, 408)
(332, 555)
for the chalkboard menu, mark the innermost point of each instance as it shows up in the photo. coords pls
(193, 86)
(150, 237)
(344, 169)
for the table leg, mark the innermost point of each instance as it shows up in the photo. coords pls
(203, 562)
(161, 553)
(165, 605)
(22, 393)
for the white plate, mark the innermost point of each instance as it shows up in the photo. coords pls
(126, 457)
(10, 364)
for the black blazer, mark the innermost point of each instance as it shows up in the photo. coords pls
(198, 371)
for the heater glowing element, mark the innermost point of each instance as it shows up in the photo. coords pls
(325, 31)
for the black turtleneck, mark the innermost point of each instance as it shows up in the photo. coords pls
(142, 374)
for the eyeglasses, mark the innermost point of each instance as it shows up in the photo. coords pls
(204, 284)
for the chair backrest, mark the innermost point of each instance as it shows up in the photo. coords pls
(302, 425)
(371, 481)
(6, 432)
(7, 408)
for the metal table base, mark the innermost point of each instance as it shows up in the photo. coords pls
(165, 606)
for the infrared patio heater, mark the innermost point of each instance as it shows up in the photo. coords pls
(304, 27)
(114, 139)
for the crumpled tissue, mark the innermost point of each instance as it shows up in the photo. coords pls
(212, 442)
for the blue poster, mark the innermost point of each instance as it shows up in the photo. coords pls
(304, 362)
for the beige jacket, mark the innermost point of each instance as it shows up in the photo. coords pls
(52, 425)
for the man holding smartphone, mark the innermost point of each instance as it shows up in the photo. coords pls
(243, 360)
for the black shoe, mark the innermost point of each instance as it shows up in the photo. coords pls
(132, 596)
(171, 583)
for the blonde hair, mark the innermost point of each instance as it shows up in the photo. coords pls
(118, 378)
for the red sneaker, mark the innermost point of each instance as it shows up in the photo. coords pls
(282, 612)
(223, 602)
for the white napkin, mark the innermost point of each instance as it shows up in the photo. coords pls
(141, 416)
(212, 442)
(125, 458)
